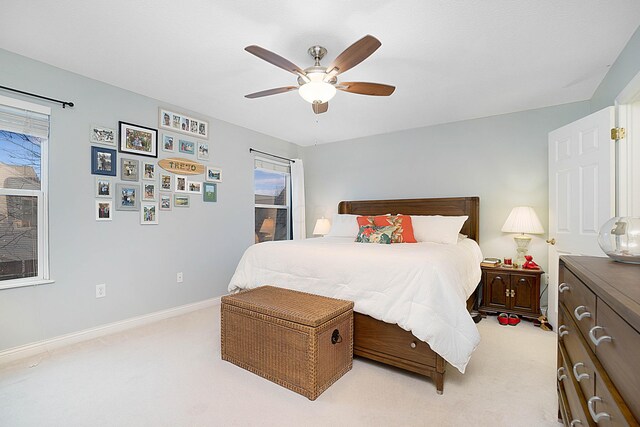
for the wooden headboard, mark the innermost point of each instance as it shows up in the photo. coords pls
(441, 206)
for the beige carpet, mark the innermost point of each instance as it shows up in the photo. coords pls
(170, 374)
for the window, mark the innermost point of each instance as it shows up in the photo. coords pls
(272, 181)
(24, 134)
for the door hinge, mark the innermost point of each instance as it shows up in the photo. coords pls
(617, 133)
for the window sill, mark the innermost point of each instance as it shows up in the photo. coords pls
(23, 284)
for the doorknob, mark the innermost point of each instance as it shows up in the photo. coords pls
(551, 241)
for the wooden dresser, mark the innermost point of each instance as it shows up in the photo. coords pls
(598, 342)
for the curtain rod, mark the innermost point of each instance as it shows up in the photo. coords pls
(272, 155)
(64, 103)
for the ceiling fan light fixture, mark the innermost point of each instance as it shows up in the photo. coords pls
(317, 90)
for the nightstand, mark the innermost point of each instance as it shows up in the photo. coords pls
(511, 290)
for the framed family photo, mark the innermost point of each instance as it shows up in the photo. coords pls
(103, 187)
(165, 201)
(103, 210)
(194, 187)
(102, 135)
(149, 213)
(209, 192)
(148, 171)
(148, 192)
(103, 161)
(181, 184)
(182, 123)
(203, 150)
(129, 169)
(139, 140)
(213, 174)
(127, 197)
(165, 182)
(168, 143)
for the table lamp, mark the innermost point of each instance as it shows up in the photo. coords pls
(322, 227)
(522, 219)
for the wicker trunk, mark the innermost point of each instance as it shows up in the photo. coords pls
(300, 341)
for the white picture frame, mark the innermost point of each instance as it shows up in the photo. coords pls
(168, 143)
(102, 135)
(149, 213)
(180, 184)
(149, 191)
(166, 201)
(213, 174)
(104, 187)
(166, 182)
(181, 200)
(104, 210)
(194, 187)
(203, 150)
(182, 123)
(148, 171)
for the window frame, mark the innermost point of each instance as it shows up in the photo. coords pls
(42, 199)
(286, 207)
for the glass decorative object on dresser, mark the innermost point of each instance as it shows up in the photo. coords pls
(619, 238)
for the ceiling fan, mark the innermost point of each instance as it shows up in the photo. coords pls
(318, 84)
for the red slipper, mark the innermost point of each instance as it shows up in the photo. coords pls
(513, 319)
(503, 319)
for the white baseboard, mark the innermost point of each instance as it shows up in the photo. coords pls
(35, 348)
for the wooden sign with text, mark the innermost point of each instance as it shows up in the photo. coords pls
(181, 166)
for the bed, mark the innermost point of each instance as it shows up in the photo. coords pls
(409, 298)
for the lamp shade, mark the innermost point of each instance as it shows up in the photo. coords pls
(317, 89)
(523, 219)
(268, 226)
(322, 227)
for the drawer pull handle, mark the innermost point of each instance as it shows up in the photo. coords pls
(582, 315)
(579, 377)
(575, 422)
(597, 341)
(561, 374)
(563, 287)
(335, 337)
(413, 344)
(600, 415)
(562, 331)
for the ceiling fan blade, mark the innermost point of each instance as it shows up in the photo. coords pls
(320, 108)
(274, 59)
(354, 54)
(362, 88)
(271, 92)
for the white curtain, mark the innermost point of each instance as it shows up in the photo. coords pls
(297, 200)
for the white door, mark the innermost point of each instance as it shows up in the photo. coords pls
(581, 191)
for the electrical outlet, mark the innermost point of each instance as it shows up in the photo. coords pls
(101, 290)
(179, 277)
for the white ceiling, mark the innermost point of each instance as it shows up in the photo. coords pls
(449, 60)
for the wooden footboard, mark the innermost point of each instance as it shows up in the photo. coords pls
(389, 343)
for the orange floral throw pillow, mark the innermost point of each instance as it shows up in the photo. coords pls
(403, 232)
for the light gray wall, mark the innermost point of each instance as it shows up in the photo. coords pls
(138, 263)
(625, 68)
(502, 159)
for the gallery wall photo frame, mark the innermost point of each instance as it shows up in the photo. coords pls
(181, 200)
(209, 192)
(213, 174)
(148, 171)
(180, 184)
(165, 201)
(149, 191)
(104, 187)
(102, 135)
(186, 147)
(203, 150)
(148, 213)
(104, 210)
(166, 182)
(183, 123)
(103, 161)
(194, 187)
(138, 140)
(168, 143)
(127, 197)
(129, 169)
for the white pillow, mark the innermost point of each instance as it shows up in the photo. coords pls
(437, 228)
(344, 225)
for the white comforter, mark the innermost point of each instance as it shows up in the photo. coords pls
(422, 287)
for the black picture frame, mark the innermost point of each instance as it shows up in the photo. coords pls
(137, 140)
(103, 161)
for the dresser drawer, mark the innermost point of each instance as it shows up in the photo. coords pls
(386, 339)
(620, 355)
(578, 300)
(602, 403)
(580, 365)
(576, 409)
